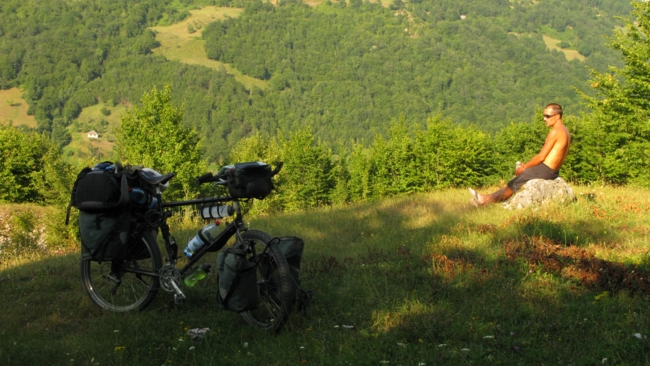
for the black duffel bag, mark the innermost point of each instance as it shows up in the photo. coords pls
(102, 196)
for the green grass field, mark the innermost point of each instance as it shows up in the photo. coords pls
(182, 42)
(83, 147)
(13, 108)
(422, 279)
(552, 44)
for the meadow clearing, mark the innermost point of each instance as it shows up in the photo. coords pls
(423, 279)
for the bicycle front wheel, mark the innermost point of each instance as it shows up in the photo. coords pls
(274, 283)
(111, 286)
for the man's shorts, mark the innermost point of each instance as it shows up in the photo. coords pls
(540, 171)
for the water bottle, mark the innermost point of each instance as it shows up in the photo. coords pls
(217, 212)
(209, 232)
(198, 274)
(105, 166)
(139, 196)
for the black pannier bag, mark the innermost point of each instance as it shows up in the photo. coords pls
(292, 248)
(250, 180)
(237, 280)
(104, 235)
(102, 196)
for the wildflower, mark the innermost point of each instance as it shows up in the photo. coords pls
(302, 347)
(245, 344)
(119, 349)
(442, 345)
(422, 364)
(192, 348)
(336, 326)
(180, 339)
(465, 349)
(421, 340)
(401, 344)
(116, 331)
(348, 326)
(638, 335)
(604, 360)
(384, 362)
(512, 333)
(488, 337)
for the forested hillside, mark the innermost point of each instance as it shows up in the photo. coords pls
(344, 68)
(348, 69)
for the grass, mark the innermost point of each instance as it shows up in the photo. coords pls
(14, 108)
(180, 44)
(552, 44)
(422, 279)
(89, 119)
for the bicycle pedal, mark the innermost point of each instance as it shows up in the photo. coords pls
(179, 299)
(113, 277)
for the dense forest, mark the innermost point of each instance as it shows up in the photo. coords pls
(375, 100)
(348, 69)
(344, 68)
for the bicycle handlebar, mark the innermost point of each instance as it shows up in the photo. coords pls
(204, 178)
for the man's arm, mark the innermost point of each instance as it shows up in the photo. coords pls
(551, 139)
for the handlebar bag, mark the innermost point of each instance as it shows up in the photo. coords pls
(237, 280)
(250, 180)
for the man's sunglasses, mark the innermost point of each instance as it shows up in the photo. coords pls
(550, 115)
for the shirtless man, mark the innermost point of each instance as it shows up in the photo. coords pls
(545, 165)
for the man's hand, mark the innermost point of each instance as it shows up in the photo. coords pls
(520, 170)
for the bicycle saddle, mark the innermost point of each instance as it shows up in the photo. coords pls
(152, 177)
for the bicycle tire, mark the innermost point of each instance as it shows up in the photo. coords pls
(134, 292)
(276, 289)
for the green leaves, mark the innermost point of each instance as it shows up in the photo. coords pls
(621, 107)
(152, 135)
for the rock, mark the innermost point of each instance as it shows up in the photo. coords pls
(537, 192)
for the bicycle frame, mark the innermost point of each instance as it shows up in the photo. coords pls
(236, 227)
(233, 228)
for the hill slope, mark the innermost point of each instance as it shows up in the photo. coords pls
(419, 279)
(346, 69)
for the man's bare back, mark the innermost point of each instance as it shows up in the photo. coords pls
(560, 149)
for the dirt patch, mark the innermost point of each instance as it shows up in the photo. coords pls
(579, 264)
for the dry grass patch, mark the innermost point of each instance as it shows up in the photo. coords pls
(551, 44)
(182, 42)
(14, 108)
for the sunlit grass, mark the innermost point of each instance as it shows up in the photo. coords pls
(14, 108)
(425, 278)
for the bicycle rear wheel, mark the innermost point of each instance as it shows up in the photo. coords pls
(274, 283)
(112, 287)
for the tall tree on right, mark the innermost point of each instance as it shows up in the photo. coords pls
(620, 141)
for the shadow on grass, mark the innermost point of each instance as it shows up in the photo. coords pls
(413, 280)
